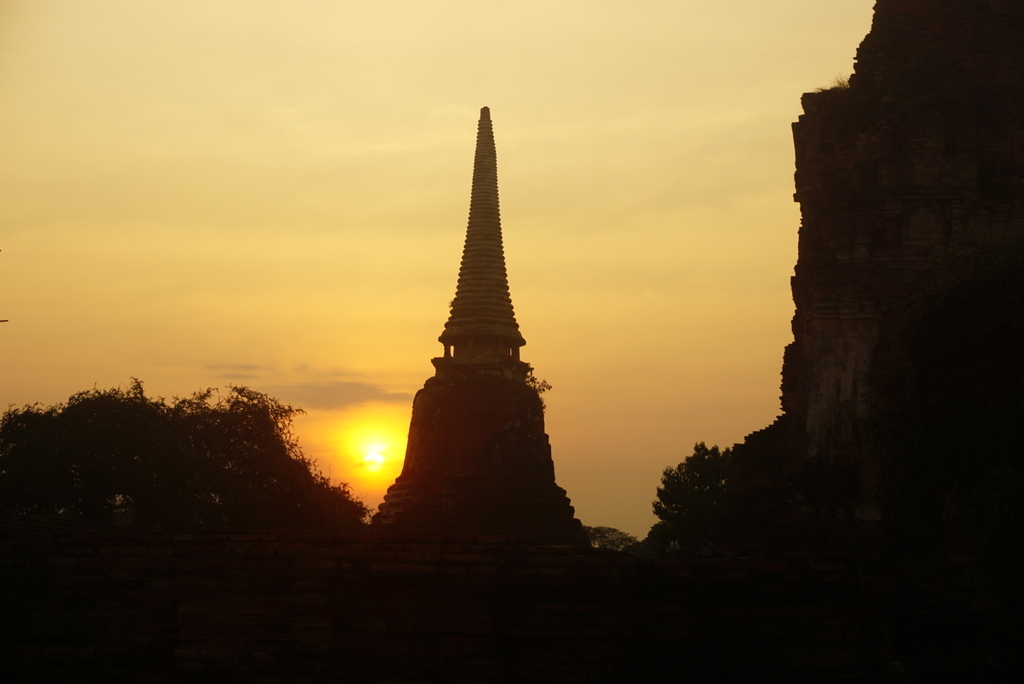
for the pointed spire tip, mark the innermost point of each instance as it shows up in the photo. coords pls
(482, 308)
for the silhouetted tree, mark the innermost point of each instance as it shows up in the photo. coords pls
(537, 385)
(610, 538)
(689, 499)
(947, 412)
(203, 462)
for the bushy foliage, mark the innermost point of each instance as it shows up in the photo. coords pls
(689, 499)
(610, 538)
(537, 385)
(208, 461)
(838, 82)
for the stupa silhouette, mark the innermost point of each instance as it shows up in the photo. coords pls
(478, 460)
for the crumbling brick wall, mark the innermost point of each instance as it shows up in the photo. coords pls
(291, 607)
(915, 164)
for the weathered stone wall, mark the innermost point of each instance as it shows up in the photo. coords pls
(918, 163)
(291, 607)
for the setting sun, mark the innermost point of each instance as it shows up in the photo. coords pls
(362, 446)
(373, 461)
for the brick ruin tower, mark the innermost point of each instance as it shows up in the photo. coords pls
(478, 460)
(903, 172)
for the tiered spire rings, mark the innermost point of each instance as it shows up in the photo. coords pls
(482, 326)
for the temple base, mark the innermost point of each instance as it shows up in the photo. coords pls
(478, 462)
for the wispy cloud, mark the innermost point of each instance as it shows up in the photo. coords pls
(239, 371)
(317, 394)
(334, 395)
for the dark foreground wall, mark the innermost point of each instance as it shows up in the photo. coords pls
(298, 607)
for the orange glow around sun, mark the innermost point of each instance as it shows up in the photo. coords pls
(367, 445)
(362, 446)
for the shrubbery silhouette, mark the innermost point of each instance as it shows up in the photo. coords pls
(689, 500)
(610, 538)
(205, 462)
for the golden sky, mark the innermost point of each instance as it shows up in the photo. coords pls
(205, 192)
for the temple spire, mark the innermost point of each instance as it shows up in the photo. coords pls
(478, 460)
(482, 326)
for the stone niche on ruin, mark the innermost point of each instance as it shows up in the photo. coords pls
(913, 164)
(478, 460)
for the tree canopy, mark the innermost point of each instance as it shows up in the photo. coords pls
(689, 498)
(210, 461)
(610, 538)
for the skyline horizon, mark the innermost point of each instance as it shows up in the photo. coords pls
(281, 208)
